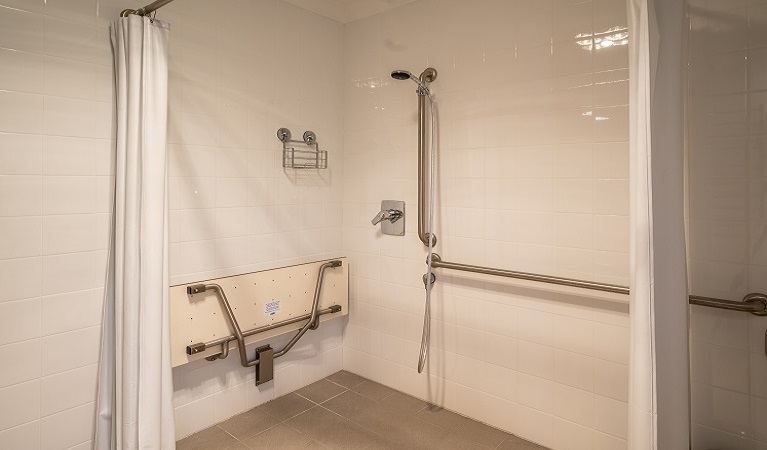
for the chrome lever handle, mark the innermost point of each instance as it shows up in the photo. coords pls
(392, 215)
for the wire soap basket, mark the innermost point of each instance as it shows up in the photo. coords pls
(302, 158)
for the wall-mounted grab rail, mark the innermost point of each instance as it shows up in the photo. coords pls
(239, 336)
(753, 303)
(436, 261)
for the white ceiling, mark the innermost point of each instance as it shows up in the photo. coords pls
(346, 11)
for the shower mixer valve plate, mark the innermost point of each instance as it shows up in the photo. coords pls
(391, 217)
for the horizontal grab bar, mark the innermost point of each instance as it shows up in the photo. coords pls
(436, 261)
(755, 303)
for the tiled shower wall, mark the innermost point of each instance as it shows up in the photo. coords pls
(234, 79)
(532, 175)
(55, 165)
(727, 150)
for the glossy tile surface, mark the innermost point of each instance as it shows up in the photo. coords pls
(532, 175)
(348, 411)
(726, 222)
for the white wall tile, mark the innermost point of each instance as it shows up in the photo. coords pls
(22, 30)
(20, 320)
(79, 118)
(611, 343)
(572, 435)
(21, 195)
(22, 437)
(67, 428)
(26, 400)
(575, 370)
(611, 379)
(26, 362)
(76, 156)
(69, 233)
(532, 140)
(70, 311)
(22, 237)
(21, 278)
(205, 179)
(75, 10)
(21, 112)
(68, 272)
(78, 41)
(611, 416)
(21, 71)
(70, 350)
(67, 390)
(21, 154)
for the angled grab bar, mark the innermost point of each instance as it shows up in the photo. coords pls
(239, 335)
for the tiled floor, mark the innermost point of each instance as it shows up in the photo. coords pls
(345, 410)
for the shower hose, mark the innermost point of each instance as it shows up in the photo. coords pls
(428, 278)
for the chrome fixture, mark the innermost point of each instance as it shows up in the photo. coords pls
(424, 162)
(427, 76)
(392, 215)
(389, 217)
(148, 9)
(425, 207)
(265, 354)
(293, 158)
(755, 303)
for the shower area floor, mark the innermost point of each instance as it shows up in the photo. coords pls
(347, 411)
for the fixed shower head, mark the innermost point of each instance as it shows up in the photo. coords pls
(427, 76)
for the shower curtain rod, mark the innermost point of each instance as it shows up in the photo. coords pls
(148, 9)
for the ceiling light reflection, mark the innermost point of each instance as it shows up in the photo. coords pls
(610, 38)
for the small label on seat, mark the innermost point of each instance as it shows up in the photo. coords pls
(272, 308)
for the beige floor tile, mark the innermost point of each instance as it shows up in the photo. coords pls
(404, 403)
(402, 429)
(515, 443)
(349, 404)
(385, 444)
(315, 421)
(278, 437)
(372, 390)
(356, 413)
(441, 417)
(484, 434)
(378, 418)
(287, 406)
(247, 424)
(346, 379)
(321, 391)
(348, 435)
(454, 441)
(213, 437)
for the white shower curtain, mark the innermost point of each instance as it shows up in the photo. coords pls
(659, 372)
(134, 408)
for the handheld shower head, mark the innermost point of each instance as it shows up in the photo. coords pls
(427, 76)
(402, 75)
